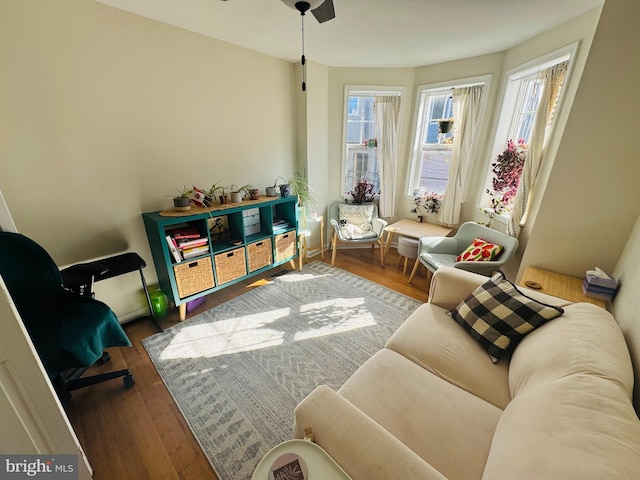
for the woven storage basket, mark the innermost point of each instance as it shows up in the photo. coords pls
(230, 265)
(194, 277)
(260, 254)
(285, 245)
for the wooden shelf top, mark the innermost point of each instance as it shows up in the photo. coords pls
(558, 285)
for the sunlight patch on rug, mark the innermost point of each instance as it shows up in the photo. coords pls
(238, 370)
(237, 334)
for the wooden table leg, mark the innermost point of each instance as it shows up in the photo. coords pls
(387, 244)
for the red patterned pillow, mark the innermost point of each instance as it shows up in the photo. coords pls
(480, 251)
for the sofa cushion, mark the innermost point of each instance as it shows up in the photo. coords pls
(430, 339)
(446, 426)
(580, 426)
(355, 221)
(498, 315)
(480, 250)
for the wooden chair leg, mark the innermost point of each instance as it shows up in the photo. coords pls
(414, 270)
(404, 268)
(334, 248)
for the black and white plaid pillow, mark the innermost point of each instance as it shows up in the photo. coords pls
(498, 315)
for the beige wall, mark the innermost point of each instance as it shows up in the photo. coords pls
(104, 113)
(626, 305)
(592, 199)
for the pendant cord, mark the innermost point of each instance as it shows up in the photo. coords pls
(303, 59)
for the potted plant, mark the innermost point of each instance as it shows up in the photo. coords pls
(285, 189)
(304, 191)
(182, 201)
(254, 193)
(445, 125)
(223, 196)
(299, 186)
(238, 193)
(507, 170)
(272, 191)
(211, 194)
(362, 192)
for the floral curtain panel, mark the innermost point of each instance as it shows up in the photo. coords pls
(466, 108)
(387, 119)
(551, 82)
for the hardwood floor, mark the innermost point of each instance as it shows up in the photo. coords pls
(140, 433)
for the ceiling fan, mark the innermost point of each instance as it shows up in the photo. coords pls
(322, 10)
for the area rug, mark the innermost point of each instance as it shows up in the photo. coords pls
(238, 370)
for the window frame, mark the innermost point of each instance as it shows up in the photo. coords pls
(362, 90)
(415, 166)
(504, 129)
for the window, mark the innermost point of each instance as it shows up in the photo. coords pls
(360, 154)
(434, 142)
(433, 137)
(521, 99)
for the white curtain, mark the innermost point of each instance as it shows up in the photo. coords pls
(387, 119)
(550, 82)
(466, 111)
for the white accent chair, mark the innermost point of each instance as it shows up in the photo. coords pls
(373, 236)
(436, 252)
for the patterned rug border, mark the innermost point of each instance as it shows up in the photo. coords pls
(378, 292)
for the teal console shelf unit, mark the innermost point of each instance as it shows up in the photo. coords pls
(205, 249)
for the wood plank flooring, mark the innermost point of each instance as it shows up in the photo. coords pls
(140, 433)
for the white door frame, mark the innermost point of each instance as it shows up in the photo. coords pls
(32, 417)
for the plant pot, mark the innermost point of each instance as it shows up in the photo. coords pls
(445, 126)
(285, 190)
(236, 197)
(208, 200)
(271, 191)
(254, 193)
(182, 203)
(224, 199)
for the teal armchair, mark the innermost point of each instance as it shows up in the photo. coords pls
(435, 252)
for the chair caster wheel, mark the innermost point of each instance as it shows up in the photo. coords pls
(128, 381)
(106, 356)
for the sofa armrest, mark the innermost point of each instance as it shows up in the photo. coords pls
(449, 286)
(364, 449)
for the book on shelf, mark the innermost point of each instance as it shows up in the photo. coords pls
(279, 225)
(195, 251)
(196, 242)
(173, 248)
(185, 233)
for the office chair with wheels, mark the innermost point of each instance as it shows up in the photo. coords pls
(69, 331)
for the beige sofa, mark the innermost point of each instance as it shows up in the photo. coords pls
(432, 405)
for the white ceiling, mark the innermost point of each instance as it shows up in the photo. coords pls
(367, 33)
